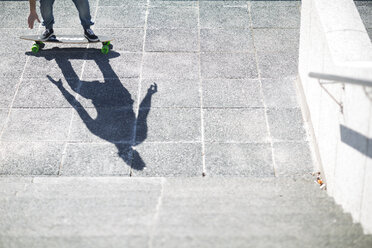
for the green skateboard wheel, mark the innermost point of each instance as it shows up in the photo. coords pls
(105, 49)
(35, 48)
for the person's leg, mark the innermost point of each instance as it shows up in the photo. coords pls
(46, 9)
(84, 13)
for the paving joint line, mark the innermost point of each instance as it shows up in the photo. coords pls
(139, 87)
(204, 172)
(261, 93)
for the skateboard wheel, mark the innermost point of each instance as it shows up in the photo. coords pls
(105, 49)
(35, 48)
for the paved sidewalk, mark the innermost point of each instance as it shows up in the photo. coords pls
(191, 88)
(225, 103)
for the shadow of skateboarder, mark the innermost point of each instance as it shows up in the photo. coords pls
(115, 119)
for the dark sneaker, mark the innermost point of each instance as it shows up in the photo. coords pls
(89, 34)
(47, 34)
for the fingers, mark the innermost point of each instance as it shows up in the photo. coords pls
(30, 22)
(37, 18)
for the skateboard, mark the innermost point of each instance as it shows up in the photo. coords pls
(67, 39)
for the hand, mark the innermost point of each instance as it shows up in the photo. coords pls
(153, 88)
(31, 19)
(57, 83)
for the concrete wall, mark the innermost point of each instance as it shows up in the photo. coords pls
(334, 40)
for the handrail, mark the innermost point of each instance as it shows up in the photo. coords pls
(340, 78)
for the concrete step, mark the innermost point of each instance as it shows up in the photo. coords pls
(172, 212)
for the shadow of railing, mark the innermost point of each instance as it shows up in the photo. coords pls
(115, 119)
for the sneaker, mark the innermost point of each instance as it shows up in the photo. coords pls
(47, 34)
(89, 34)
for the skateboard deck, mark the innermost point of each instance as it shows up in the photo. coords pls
(67, 39)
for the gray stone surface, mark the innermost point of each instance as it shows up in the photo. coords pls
(286, 124)
(172, 40)
(169, 124)
(228, 65)
(170, 65)
(275, 14)
(226, 40)
(277, 64)
(41, 93)
(222, 16)
(280, 93)
(113, 92)
(206, 115)
(246, 160)
(36, 158)
(235, 125)
(92, 159)
(12, 64)
(183, 93)
(125, 39)
(37, 125)
(172, 17)
(231, 93)
(121, 17)
(159, 212)
(292, 158)
(125, 65)
(114, 124)
(167, 160)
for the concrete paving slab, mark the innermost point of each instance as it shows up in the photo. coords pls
(37, 158)
(286, 124)
(42, 93)
(245, 160)
(280, 93)
(56, 63)
(114, 124)
(9, 11)
(277, 64)
(108, 92)
(226, 40)
(8, 87)
(172, 17)
(231, 93)
(216, 16)
(172, 40)
(12, 65)
(167, 160)
(92, 159)
(273, 14)
(170, 66)
(125, 17)
(119, 65)
(11, 41)
(292, 159)
(228, 65)
(125, 39)
(169, 124)
(37, 125)
(273, 40)
(180, 93)
(235, 125)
